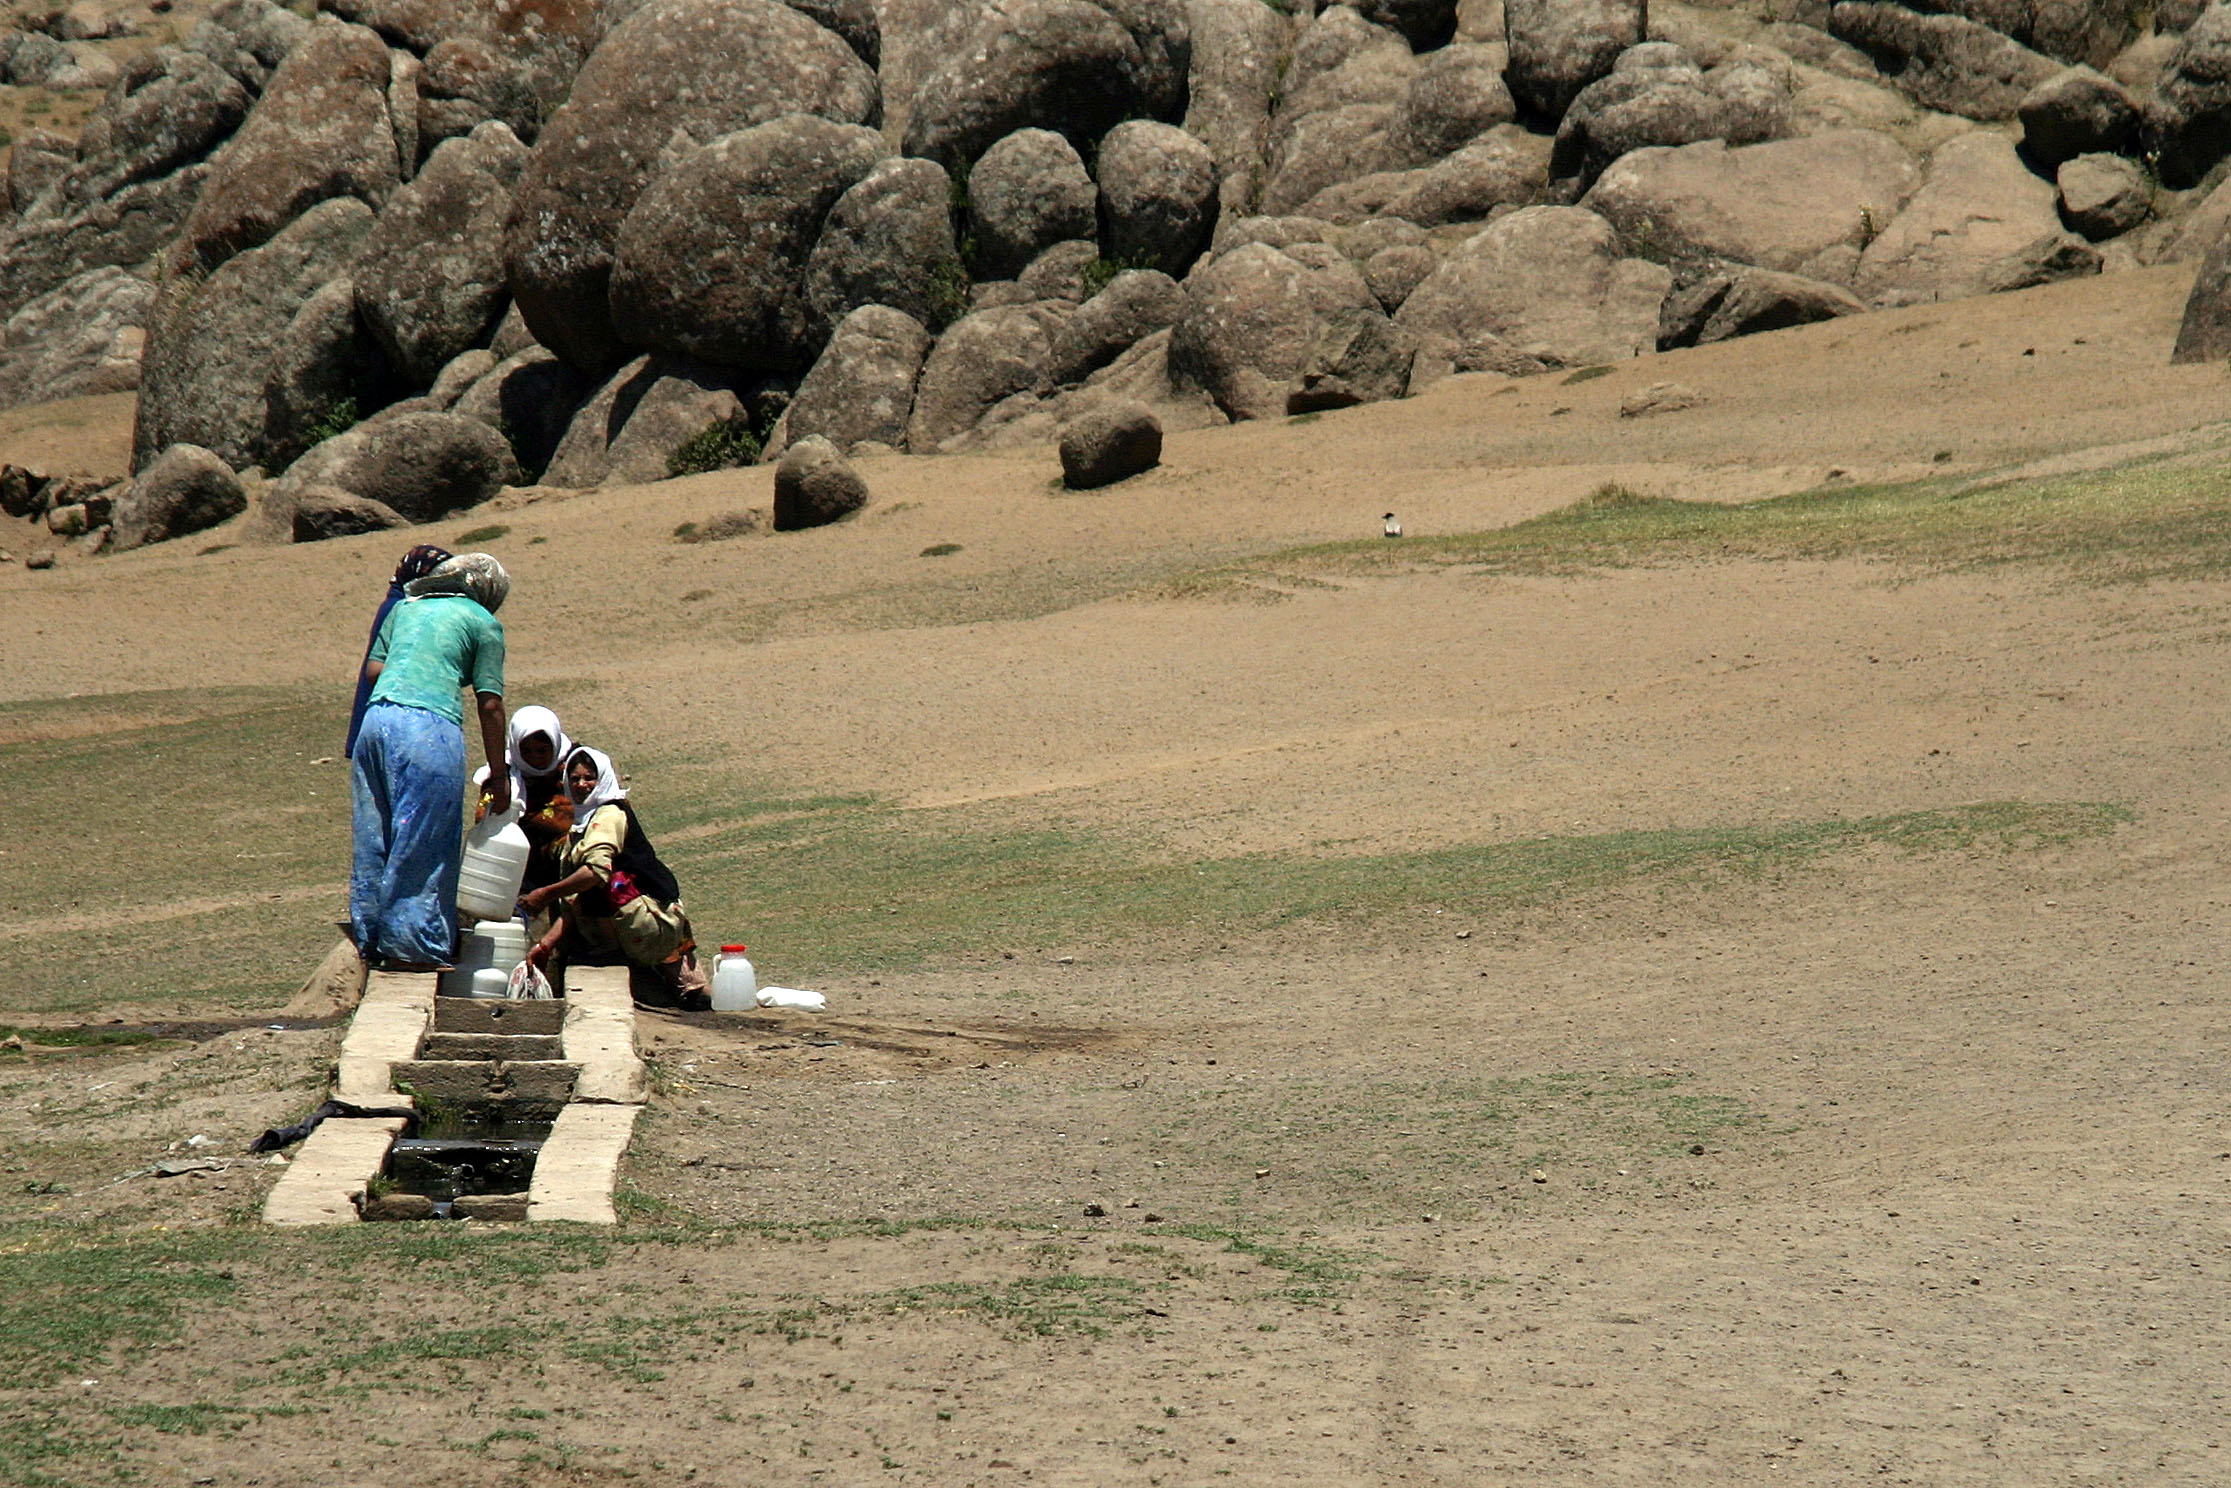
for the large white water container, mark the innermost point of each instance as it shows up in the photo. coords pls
(495, 865)
(735, 984)
(486, 954)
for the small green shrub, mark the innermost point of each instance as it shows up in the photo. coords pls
(339, 419)
(720, 447)
(1587, 374)
(1101, 272)
(493, 532)
(949, 286)
(941, 550)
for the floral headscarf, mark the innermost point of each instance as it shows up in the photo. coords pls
(476, 576)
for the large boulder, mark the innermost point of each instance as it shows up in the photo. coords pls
(1239, 47)
(1113, 442)
(1980, 223)
(210, 343)
(544, 41)
(862, 388)
(632, 429)
(675, 72)
(1135, 304)
(466, 82)
(1157, 196)
(1252, 318)
(423, 465)
(186, 490)
(888, 241)
(1424, 24)
(711, 261)
(431, 283)
(2188, 118)
(1357, 357)
(1776, 205)
(530, 397)
(2103, 196)
(169, 111)
(1328, 147)
(41, 158)
(1072, 66)
(1338, 60)
(2082, 31)
(1945, 62)
(1507, 166)
(1549, 282)
(322, 373)
(2077, 112)
(1749, 302)
(815, 485)
(85, 337)
(1454, 96)
(1658, 96)
(1027, 193)
(1559, 47)
(2205, 333)
(131, 180)
(321, 130)
(321, 513)
(983, 359)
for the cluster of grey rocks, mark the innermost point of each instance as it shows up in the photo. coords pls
(386, 260)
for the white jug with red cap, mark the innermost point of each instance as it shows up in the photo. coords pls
(735, 984)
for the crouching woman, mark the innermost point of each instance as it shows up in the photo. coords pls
(616, 903)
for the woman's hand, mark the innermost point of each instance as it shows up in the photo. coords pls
(533, 900)
(538, 955)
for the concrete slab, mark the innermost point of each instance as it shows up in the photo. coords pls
(330, 1171)
(387, 1028)
(580, 1160)
(529, 1089)
(482, 1015)
(510, 1047)
(600, 1037)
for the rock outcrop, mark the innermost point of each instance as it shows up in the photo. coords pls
(815, 485)
(1551, 284)
(1981, 223)
(675, 73)
(862, 388)
(186, 489)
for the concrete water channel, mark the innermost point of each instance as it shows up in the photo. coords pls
(523, 1108)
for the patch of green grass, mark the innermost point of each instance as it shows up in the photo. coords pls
(196, 1419)
(949, 287)
(864, 888)
(722, 527)
(2132, 525)
(1585, 374)
(71, 1297)
(216, 548)
(1316, 1274)
(79, 1038)
(1066, 1304)
(941, 550)
(493, 532)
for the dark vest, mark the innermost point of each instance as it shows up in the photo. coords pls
(640, 863)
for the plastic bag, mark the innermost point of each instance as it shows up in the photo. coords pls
(528, 984)
(792, 997)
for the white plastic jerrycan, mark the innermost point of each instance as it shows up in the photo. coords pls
(735, 984)
(495, 865)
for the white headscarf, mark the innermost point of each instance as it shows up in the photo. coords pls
(607, 790)
(537, 720)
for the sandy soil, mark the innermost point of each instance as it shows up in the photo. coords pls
(1951, 1212)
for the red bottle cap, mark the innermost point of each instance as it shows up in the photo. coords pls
(724, 950)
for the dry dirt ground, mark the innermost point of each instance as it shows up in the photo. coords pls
(1897, 1157)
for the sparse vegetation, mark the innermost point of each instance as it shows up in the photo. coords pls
(1102, 272)
(1586, 374)
(723, 446)
(333, 423)
(941, 550)
(491, 532)
(2166, 521)
(723, 527)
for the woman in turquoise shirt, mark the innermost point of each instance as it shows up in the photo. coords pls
(408, 783)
